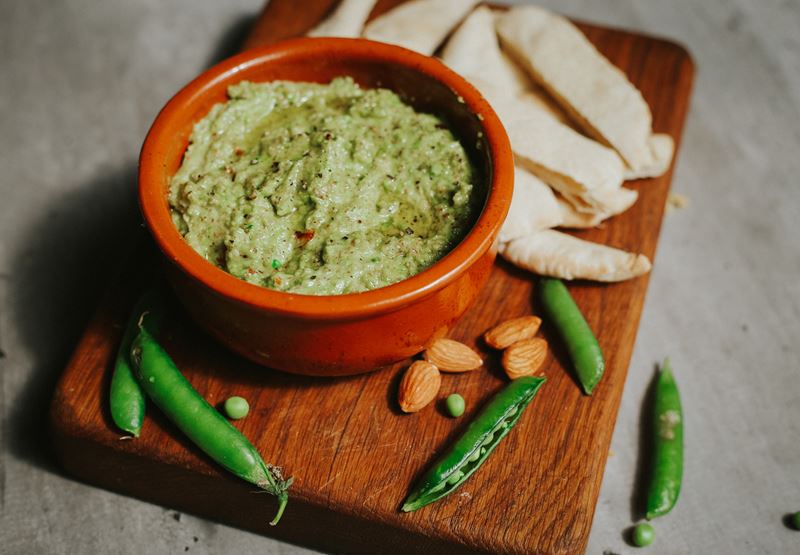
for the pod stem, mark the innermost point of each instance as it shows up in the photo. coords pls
(283, 499)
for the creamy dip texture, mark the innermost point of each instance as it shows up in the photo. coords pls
(322, 189)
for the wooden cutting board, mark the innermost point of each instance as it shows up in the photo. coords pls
(354, 456)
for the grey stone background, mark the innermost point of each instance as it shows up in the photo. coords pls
(81, 81)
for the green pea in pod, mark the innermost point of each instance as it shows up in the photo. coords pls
(126, 398)
(470, 451)
(667, 464)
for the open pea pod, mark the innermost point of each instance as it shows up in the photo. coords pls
(480, 438)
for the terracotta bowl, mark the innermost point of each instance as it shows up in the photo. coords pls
(342, 334)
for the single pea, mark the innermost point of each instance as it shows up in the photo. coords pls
(643, 534)
(795, 520)
(236, 407)
(455, 405)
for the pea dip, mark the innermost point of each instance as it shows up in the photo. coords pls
(322, 189)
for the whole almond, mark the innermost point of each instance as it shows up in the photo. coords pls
(419, 386)
(524, 358)
(509, 332)
(451, 356)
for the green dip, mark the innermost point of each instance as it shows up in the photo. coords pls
(322, 189)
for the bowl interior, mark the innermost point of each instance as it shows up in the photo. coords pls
(419, 89)
(421, 81)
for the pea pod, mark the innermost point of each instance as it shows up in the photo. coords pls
(470, 451)
(126, 397)
(667, 464)
(582, 346)
(208, 429)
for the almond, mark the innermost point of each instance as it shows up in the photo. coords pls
(451, 356)
(524, 358)
(509, 332)
(419, 386)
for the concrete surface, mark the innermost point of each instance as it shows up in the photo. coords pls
(81, 81)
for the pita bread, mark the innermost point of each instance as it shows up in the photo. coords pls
(663, 148)
(551, 253)
(595, 93)
(533, 207)
(347, 20)
(538, 96)
(557, 154)
(419, 25)
(617, 202)
(473, 51)
(561, 157)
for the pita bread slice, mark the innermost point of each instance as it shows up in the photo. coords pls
(558, 155)
(554, 152)
(533, 207)
(347, 20)
(473, 51)
(596, 94)
(556, 254)
(419, 25)
(663, 148)
(617, 202)
(538, 96)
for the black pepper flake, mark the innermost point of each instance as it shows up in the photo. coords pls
(275, 167)
(319, 175)
(409, 231)
(328, 136)
(390, 176)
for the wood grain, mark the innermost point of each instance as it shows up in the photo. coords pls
(354, 455)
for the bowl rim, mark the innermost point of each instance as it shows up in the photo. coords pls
(476, 242)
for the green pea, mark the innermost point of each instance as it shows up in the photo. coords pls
(643, 534)
(455, 405)
(795, 520)
(455, 477)
(236, 407)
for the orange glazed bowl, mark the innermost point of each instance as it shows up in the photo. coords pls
(332, 335)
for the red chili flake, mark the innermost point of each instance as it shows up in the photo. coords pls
(304, 236)
(251, 271)
(276, 280)
(238, 151)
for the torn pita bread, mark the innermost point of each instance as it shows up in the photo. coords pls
(595, 93)
(551, 253)
(572, 164)
(663, 148)
(419, 25)
(538, 96)
(472, 51)
(617, 202)
(533, 207)
(347, 20)
(561, 157)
